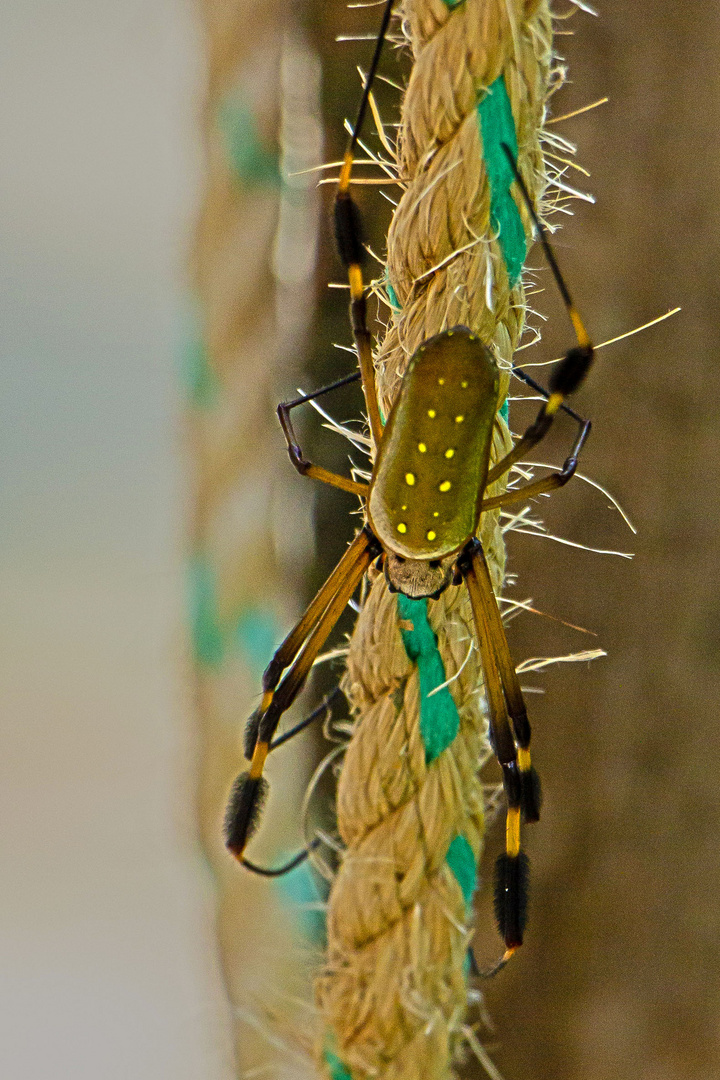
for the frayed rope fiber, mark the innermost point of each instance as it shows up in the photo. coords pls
(410, 802)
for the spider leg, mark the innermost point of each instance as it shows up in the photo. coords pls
(539, 428)
(482, 598)
(511, 871)
(323, 709)
(571, 370)
(297, 653)
(284, 868)
(300, 462)
(294, 641)
(348, 235)
(547, 483)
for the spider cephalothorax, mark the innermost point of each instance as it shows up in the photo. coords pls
(417, 578)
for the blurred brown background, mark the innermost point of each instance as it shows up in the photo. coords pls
(108, 959)
(620, 974)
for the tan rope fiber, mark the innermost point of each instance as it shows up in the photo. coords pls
(393, 992)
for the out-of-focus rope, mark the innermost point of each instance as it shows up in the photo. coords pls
(253, 262)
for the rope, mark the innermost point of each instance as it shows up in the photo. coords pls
(253, 276)
(410, 802)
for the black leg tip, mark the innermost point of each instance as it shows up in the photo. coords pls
(571, 370)
(252, 729)
(348, 231)
(530, 796)
(247, 797)
(511, 892)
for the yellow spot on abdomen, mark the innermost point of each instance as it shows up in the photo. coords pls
(459, 419)
(464, 385)
(410, 478)
(431, 535)
(441, 382)
(432, 414)
(422, 447)
(402, 527)
(450, 453)
(445, 486)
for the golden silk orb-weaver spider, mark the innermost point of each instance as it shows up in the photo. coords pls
(422, 508)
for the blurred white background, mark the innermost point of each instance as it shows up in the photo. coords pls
(106, 948)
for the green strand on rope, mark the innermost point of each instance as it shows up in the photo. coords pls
(439, 724)
(207, 636)
(197, 373)
(337, 1070)
(254, 164)
(392, 296)
(439, 718)
(256, 635)
(304, 898)
(497, 126)
(461, 860)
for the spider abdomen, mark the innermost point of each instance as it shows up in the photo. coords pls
(432, 464)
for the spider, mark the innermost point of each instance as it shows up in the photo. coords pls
(422, 511)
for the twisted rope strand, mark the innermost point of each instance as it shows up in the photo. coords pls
(411, 818)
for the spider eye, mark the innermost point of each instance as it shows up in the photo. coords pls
(434, 563)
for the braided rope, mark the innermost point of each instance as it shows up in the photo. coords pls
(410, 802)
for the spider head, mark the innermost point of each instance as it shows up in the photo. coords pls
(419, 579)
